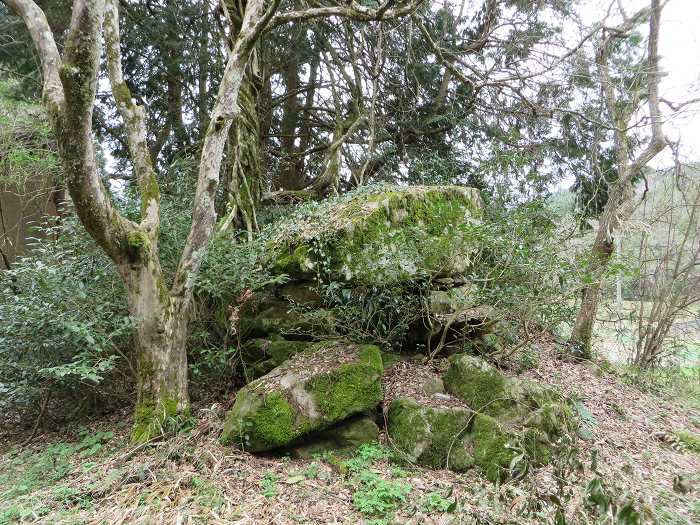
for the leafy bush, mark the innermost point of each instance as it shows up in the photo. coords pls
(378, 496)
(64, 322)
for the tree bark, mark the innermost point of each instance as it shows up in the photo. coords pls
(161, 332)
(620, 203)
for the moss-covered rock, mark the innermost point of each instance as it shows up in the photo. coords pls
(450, 300)
(327, 383)
(434, 437)
(478, 384)
(302, 293)
(341, 439)
(494, 446)
(522, 414)
(380, 236)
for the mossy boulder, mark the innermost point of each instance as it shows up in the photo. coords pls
(326, 383)
(494, 446)
(433, 437)
(481, 386)
(341, 439)
(513, 414)
(380, 236)
(486, 390)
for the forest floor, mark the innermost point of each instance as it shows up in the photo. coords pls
(628, 451)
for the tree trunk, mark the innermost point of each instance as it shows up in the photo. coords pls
(245, 183)
(583, 327)
(161, 332)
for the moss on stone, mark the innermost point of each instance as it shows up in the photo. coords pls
(341, 439)
(492, 453)
(478, 384)
(350, 388)
(278, 316)
(261, 422)
(393, 235)
(433, 437)
(262, 355)
(309, 392)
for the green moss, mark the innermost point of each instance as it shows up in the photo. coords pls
(261, 422)
(277, 409)
(477, 383)
(275, 422)
(350, 388)
(690, 440)
(137, 246)
(149, 191)
(154, 419)
(432, 437)
(491, 451)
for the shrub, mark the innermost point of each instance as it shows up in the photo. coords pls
(65, 328)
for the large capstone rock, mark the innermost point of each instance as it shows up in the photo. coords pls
(325, 384)
(430, 436)
(380, 236)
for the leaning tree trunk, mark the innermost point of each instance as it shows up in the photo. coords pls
(620, 205)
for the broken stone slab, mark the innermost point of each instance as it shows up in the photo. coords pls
(262, 355)
(278, 316)
(325, 384)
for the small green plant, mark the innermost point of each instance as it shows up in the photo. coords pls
(689, 440)
(268, 484)
(207, 494)
(311, 472)
(376, 496)
(436, 502)
(528, 358)
(365, 455)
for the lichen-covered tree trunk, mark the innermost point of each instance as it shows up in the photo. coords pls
(160, 344)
